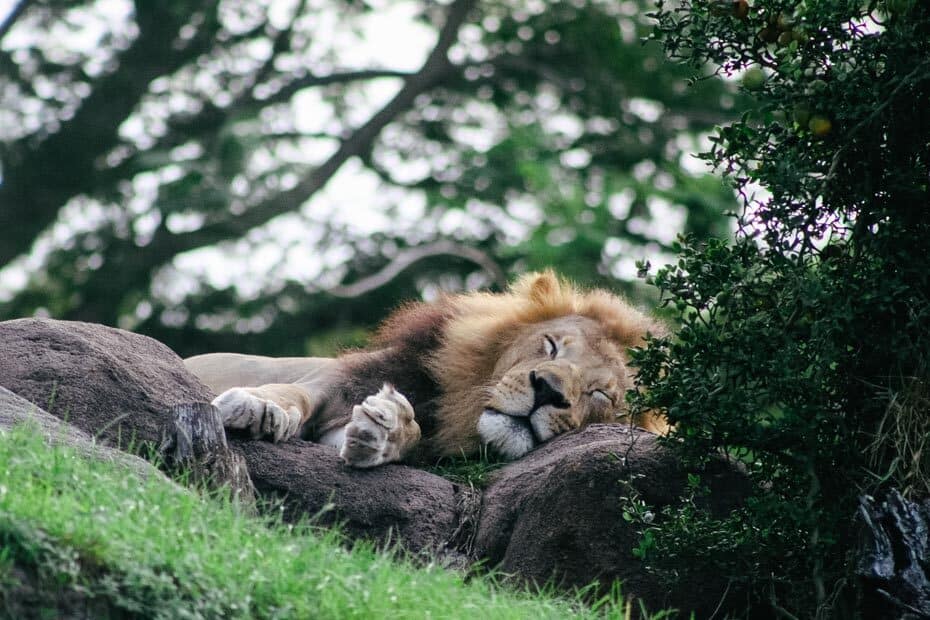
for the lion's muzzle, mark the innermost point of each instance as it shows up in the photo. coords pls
(547, 390)
(507, 435)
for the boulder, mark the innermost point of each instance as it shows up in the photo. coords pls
(17, 411)
(557, 514)
(115, 385)
(387, 504)
(130, 391)
(124, 390)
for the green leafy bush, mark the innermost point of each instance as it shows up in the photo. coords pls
(802, 346)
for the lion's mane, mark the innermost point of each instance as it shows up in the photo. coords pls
(457, 341)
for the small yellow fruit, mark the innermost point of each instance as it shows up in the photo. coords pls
(820, 125)
(784, 22)
(753, 78)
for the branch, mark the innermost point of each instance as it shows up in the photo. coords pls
(288, 90)
(361, 140)
(12, 16)
(39, 180)
(410, 256)
(116, 277)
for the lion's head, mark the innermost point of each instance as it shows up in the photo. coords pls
(518, 368)
(555, 376)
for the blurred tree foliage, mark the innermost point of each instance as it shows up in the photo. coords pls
(189, 169)
(802, 347)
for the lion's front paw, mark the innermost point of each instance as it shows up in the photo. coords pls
(382, 430)
(242, 410)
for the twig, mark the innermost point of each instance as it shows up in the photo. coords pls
(722, 599)
(408, 257)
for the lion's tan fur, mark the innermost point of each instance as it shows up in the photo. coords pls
(482, 325)
(452, 358)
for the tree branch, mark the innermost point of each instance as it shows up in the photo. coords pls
(361, 140)
(288, 90)
(410, 256)
(12, 16)
(39, 179)
(129, 267)
(211, 117)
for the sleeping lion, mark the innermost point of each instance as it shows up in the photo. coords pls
(508, 371)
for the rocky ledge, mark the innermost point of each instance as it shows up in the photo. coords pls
(553, 516)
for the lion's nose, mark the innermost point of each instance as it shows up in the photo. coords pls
(547, 390)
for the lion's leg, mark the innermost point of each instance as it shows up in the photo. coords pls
(275, 411)
(382, 430)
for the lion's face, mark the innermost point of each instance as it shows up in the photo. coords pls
(553, 377)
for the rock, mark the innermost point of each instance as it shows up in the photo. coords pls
(113, 384)
(93, 375)
(124, 390)
(15, 411)
(392, 503)
(557, 513)
(894, 557)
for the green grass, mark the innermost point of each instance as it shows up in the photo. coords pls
(474, 471)
(152, 548)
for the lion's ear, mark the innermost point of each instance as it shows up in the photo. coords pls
(539, 288)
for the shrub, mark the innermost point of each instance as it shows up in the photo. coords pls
(801, 342)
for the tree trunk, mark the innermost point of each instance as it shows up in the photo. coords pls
(894, 557)
(197, 446)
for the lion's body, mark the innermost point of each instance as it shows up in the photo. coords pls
(509, 370)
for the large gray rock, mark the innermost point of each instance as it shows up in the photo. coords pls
(392, 503)
(115, 385)
(119, 386)
(123, 389)
(17, 411)
(557, 514)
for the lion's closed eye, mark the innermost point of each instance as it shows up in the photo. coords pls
(602, 398)
(550, 348)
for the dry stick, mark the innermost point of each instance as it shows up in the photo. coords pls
(408, 257)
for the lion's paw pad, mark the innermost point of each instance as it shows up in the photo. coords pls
(241, 410)
(382, 427)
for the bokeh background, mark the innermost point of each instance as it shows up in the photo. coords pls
(276, 176)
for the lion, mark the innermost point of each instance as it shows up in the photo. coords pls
(507, 371)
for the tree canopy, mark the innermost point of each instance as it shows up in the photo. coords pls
(229, 174)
